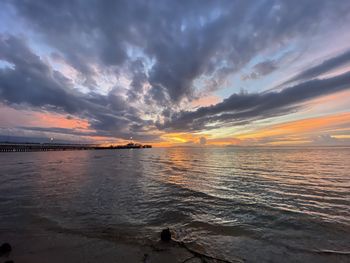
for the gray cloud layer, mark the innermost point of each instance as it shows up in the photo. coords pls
(261, 69)
(324, 67)
(244, 108)
(185, 39)
(165, 44)
(32, 82)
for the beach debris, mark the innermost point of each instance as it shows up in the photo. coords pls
(165, 235)
(145, 258)
(5, 249)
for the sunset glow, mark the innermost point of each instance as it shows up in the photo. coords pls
(189, 86)
(175, 131)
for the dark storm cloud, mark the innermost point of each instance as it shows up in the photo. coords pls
(185, 39)
(244, 108)
(324, 67)
(32, 82)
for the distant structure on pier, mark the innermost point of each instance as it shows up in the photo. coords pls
(132, 145)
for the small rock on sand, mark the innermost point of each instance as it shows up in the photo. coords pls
(5, 249)
(165, 235)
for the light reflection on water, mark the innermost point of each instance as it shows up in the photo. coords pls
(258, 203)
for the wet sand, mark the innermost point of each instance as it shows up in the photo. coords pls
(61, 247)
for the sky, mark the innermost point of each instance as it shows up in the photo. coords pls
(176, 73)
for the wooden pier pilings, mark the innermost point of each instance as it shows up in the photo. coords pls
(45, 147)
(41, 147)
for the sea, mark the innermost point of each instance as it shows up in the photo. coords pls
(259, 204)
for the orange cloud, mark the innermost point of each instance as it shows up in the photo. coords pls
(59, 121)
(11, 117)
(205, 101)
(326, 124)
(339, 100)
(289, 133)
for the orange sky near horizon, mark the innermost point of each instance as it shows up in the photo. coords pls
(322, 124)
(286, 133)
(293, 132)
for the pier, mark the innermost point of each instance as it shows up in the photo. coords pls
(44, 147)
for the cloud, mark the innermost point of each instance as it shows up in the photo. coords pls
(202, 140)
(183, 40)
(261, 69)
(325, 139)
(32, 82)
(243, 108)
(324, 67)
(163, 49)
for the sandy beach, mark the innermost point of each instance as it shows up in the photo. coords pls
(61, 247)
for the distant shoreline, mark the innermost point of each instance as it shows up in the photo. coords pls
(44, 147)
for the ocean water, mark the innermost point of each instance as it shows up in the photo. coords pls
(258, 204)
